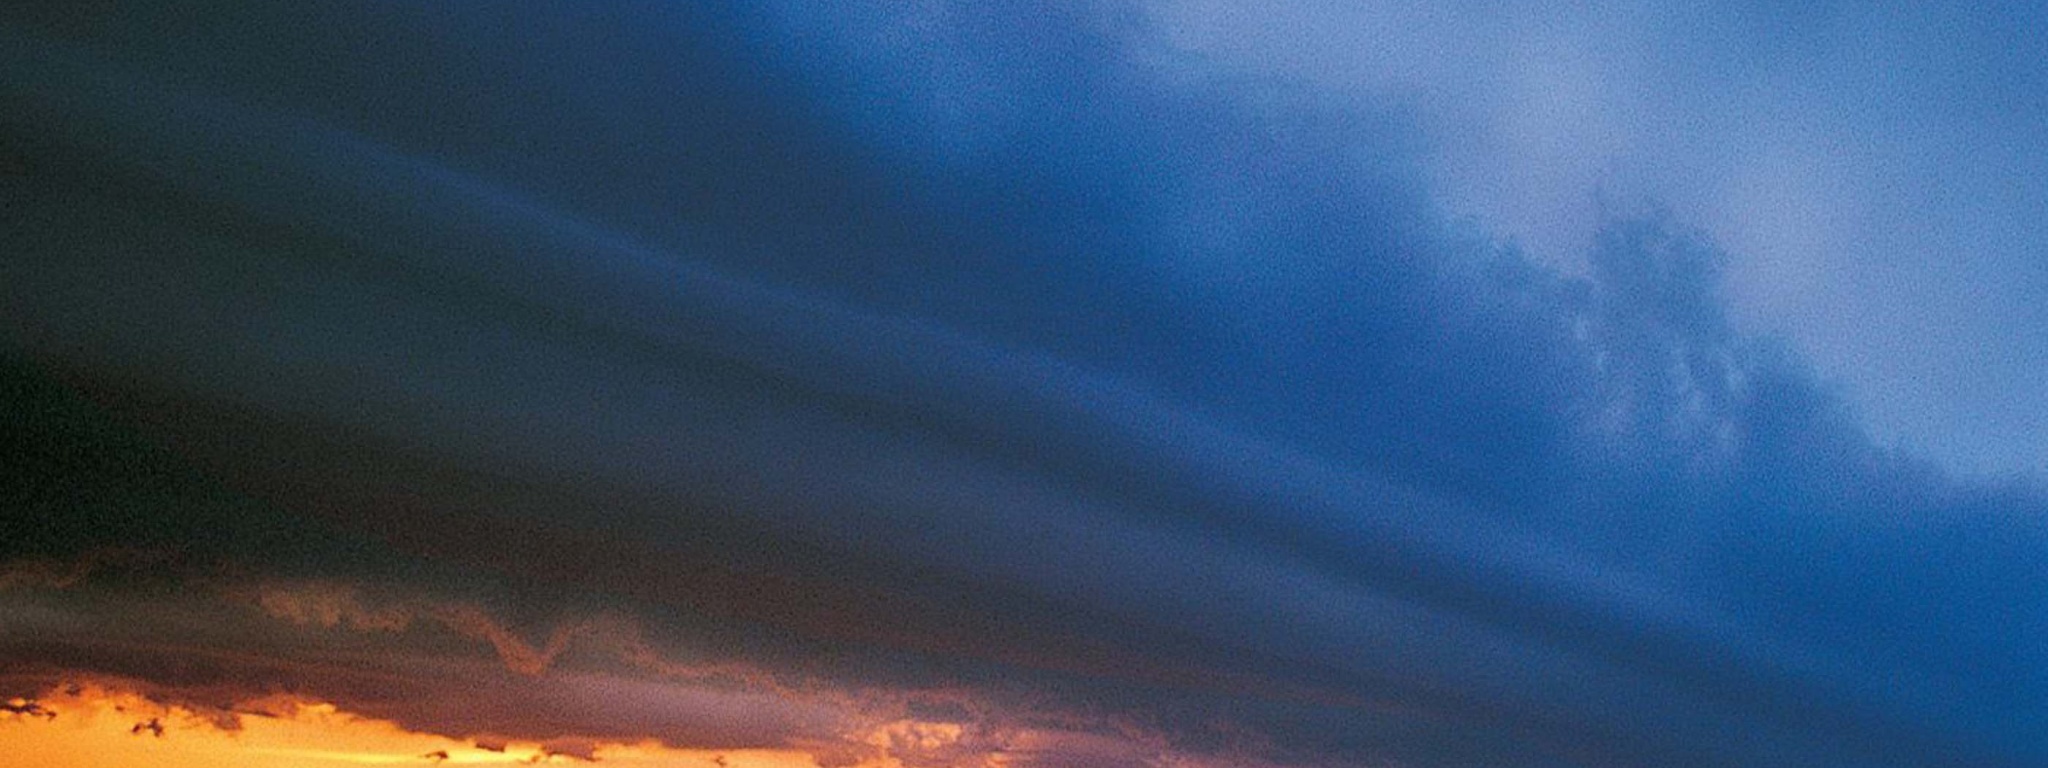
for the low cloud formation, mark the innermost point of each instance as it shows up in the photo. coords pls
(608, 689)
(330, 605)
(1060, 401)
(64, 573)
(27, 708)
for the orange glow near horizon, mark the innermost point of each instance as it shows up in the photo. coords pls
(102, 728)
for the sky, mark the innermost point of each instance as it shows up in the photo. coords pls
(914, 385)
(1873, 171)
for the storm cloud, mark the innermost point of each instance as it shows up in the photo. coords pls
(1148, 408)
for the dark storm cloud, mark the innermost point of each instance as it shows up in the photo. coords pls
(991, 334)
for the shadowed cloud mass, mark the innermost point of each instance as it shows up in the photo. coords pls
(932, 383)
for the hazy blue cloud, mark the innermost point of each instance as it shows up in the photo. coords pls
(1869, 167)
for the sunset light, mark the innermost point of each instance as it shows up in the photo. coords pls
(97, 727)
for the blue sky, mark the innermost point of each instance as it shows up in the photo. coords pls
(1117, 384)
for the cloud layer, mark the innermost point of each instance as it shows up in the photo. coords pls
(933, 347)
